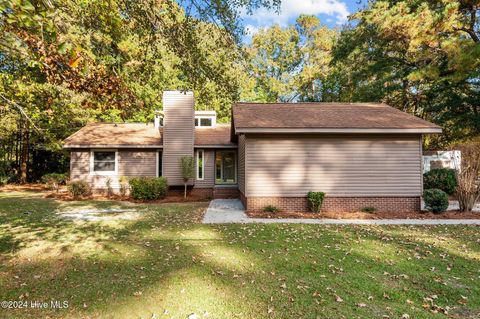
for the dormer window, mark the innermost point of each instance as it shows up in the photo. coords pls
(205, 118)
(203, 122)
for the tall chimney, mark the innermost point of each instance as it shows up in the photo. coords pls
(178, 133)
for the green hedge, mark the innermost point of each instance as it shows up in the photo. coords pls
(315, 201)
(436, 200)
(440, 178)
(148, 188)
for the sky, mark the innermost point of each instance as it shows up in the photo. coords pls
(332, 13)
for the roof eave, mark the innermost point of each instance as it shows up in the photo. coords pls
(433, 130)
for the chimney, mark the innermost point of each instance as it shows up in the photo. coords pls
(178, 133)
(158, 120)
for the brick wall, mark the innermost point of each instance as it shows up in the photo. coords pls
(220, 192)
(337, 204)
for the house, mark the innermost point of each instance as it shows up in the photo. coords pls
(359, 154)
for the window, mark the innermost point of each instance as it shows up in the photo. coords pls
(225, 167)
(159, 163)
(204, 121)
(200, 165)
(104, 162)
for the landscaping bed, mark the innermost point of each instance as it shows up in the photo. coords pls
(362, 215)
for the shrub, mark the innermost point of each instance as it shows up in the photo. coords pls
(468, 188)
(79, 188)
(148, 188)
(123, 180)
(4, 180)
(108, 184)
(315, 201)
(54, 180)
(271, 209)
(441, 178)
(369, 209)
(436, 200)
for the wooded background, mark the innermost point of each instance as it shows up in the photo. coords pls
(66, 63)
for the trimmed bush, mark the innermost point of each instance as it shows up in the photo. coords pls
(315, 201)
(271, 209)
(54, 180)
(436, 200)
(440, 178)
(148, 188)
(79, 188)
(369, 209)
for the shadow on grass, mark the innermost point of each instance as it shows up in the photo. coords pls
(167, 263)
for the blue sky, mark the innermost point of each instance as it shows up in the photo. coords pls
(332, 13)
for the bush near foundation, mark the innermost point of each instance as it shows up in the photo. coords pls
(79, 188)
(436, 200)
(441, 178)
(148, 188)
(271, 209)
(315, 201)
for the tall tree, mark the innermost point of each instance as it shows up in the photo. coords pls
(419, 56)
(292, 63)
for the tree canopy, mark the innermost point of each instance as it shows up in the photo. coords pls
(66, 63)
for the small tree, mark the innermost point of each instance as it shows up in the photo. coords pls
(187, 165)
(468, 187)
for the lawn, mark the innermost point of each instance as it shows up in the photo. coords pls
(165, 264)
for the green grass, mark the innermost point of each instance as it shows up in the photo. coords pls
(167, 265)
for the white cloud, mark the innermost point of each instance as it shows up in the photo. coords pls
(251, 29)
(293, 8)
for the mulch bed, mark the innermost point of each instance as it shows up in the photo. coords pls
(362, 215)
(23, 188)
(169, 199)
(63, 195)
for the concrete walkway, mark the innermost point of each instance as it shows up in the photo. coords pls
(228, 211)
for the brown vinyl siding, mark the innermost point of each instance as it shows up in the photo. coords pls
(178, 133)
(209, 168)
(340, 165)
(241, 163)
(130, 163)
(137, 163)
(79, 164)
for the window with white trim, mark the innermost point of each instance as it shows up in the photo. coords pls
(104, 161)
(200, 164)
(204, 121)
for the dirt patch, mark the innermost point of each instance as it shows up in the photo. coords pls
(362, 215)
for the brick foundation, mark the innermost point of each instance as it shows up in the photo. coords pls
(209, 193)
(220, 192)
(336, 204)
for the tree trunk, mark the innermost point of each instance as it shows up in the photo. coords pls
(24, 155)
(185, 192)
